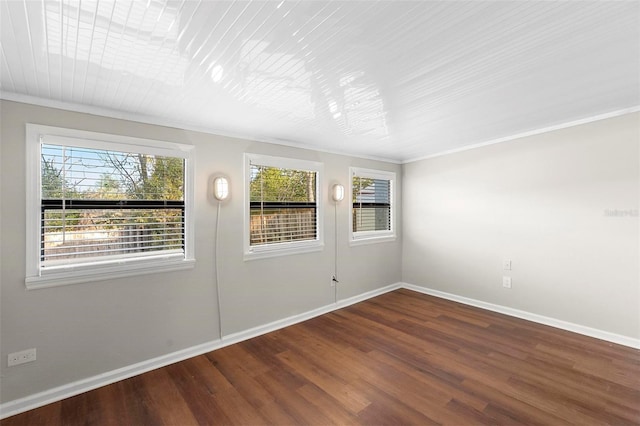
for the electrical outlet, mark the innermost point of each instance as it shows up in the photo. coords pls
(506, 282)
(17, 358)
(506, 265)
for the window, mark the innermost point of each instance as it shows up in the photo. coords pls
(102, 206)
(373, 207)
(283, 211)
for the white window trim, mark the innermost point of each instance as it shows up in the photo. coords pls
(371, 237)
(287, 248)
(113, 268)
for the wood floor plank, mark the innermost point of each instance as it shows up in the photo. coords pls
(386, 409)
(274, 414)
(164, 399)
(115, 404)
(198, 390)
(509, 409)
(349, 398)
(242, 379)
(237, 409)
(285, 387)
(48, 415)
(399, 358)
(328, 404)
(574, 407)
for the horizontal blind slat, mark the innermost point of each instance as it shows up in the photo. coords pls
(97, 243)
(371, 207)
(102, 203)
(93, 253)
(283, 206)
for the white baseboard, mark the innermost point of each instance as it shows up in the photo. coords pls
(59, 393)
(40, 399)
(68, 390)
(276, 325)
(564, 325)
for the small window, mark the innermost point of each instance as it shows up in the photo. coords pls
(372, 209)
(105, 207)
(283, 208)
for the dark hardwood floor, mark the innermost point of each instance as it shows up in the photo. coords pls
(400, 358)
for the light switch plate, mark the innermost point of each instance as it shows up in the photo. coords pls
(506, 282)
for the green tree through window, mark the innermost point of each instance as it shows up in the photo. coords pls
(283, 205)
(99, 203)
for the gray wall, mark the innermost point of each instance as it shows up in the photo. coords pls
(87, 329)
(542, 202)
(539, 201)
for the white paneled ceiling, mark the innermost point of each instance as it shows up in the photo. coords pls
(390, 79)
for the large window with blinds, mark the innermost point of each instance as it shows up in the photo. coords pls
(372, 210)
(107, 204)
(283, 208)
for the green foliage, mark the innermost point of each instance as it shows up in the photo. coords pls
(274, 225)
(108, 188)
(54, 186)
(165, 180)
(146, 177)
(52, 181)
(276, 184)
(104, 175)
(358, 184)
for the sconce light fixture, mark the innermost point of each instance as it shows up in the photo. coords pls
(221, 188)
(337, 192)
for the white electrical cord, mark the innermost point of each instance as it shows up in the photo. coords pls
(216, 274)
(335, 252)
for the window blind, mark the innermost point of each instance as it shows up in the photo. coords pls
(102, 205)
(283, 205)
(371, 204)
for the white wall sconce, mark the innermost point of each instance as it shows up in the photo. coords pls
(337, 192)
(221, 188)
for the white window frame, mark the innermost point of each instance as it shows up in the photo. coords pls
(286, 248)
(369, 237)
(36, 276)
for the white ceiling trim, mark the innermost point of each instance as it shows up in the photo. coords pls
(139, 118)
(104, 112)
(388, 80)
(517, 136)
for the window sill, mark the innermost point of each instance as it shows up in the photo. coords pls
(371, 240)
(268, 252)
(102, 273)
